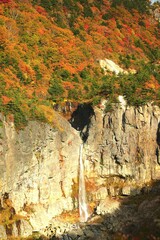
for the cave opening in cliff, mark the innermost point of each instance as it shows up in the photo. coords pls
(81, 119)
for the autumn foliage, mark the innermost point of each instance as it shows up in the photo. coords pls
(50, 51)
(5, 1)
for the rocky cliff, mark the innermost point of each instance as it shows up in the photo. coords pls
(39, 164)
(38, 167)
(122, 153)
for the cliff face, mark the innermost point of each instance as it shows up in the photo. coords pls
(122, 149)
(38, 167)
(39, 164)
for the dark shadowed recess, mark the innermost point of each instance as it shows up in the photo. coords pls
(81, 119)
(158, 143)
(158, 135)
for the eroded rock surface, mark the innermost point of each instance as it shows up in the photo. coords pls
(122, 149)
(39, 165)
(39, 168)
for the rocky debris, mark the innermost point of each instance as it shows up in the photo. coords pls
(126, 190)
(39, 168)
(156, 13)
(108, 206)
(109, 65)
(102, 193)
(121, 218)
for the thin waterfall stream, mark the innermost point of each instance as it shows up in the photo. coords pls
(83, 208)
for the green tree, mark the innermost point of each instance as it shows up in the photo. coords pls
(38, 73)
(55, 90)
(142, 6)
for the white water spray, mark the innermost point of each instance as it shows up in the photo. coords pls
(83, 208)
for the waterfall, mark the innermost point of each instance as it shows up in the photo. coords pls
(83, 208)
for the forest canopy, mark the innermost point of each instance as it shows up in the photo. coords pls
(50, 52)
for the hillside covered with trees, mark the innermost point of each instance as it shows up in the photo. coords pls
(50, 52)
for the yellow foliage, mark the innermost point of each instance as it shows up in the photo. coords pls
(48, 112)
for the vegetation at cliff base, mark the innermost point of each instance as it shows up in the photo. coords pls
(50, 52)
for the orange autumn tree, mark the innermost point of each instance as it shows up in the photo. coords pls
(46, 44)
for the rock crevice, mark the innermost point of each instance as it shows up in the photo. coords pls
(129, 143)
(39, 164)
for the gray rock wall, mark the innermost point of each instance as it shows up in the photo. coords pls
(38, 167)
(39, 164)
(122, 149)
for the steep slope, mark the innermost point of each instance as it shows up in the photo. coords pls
(39, 171)
(50, 52)
(39, 166)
